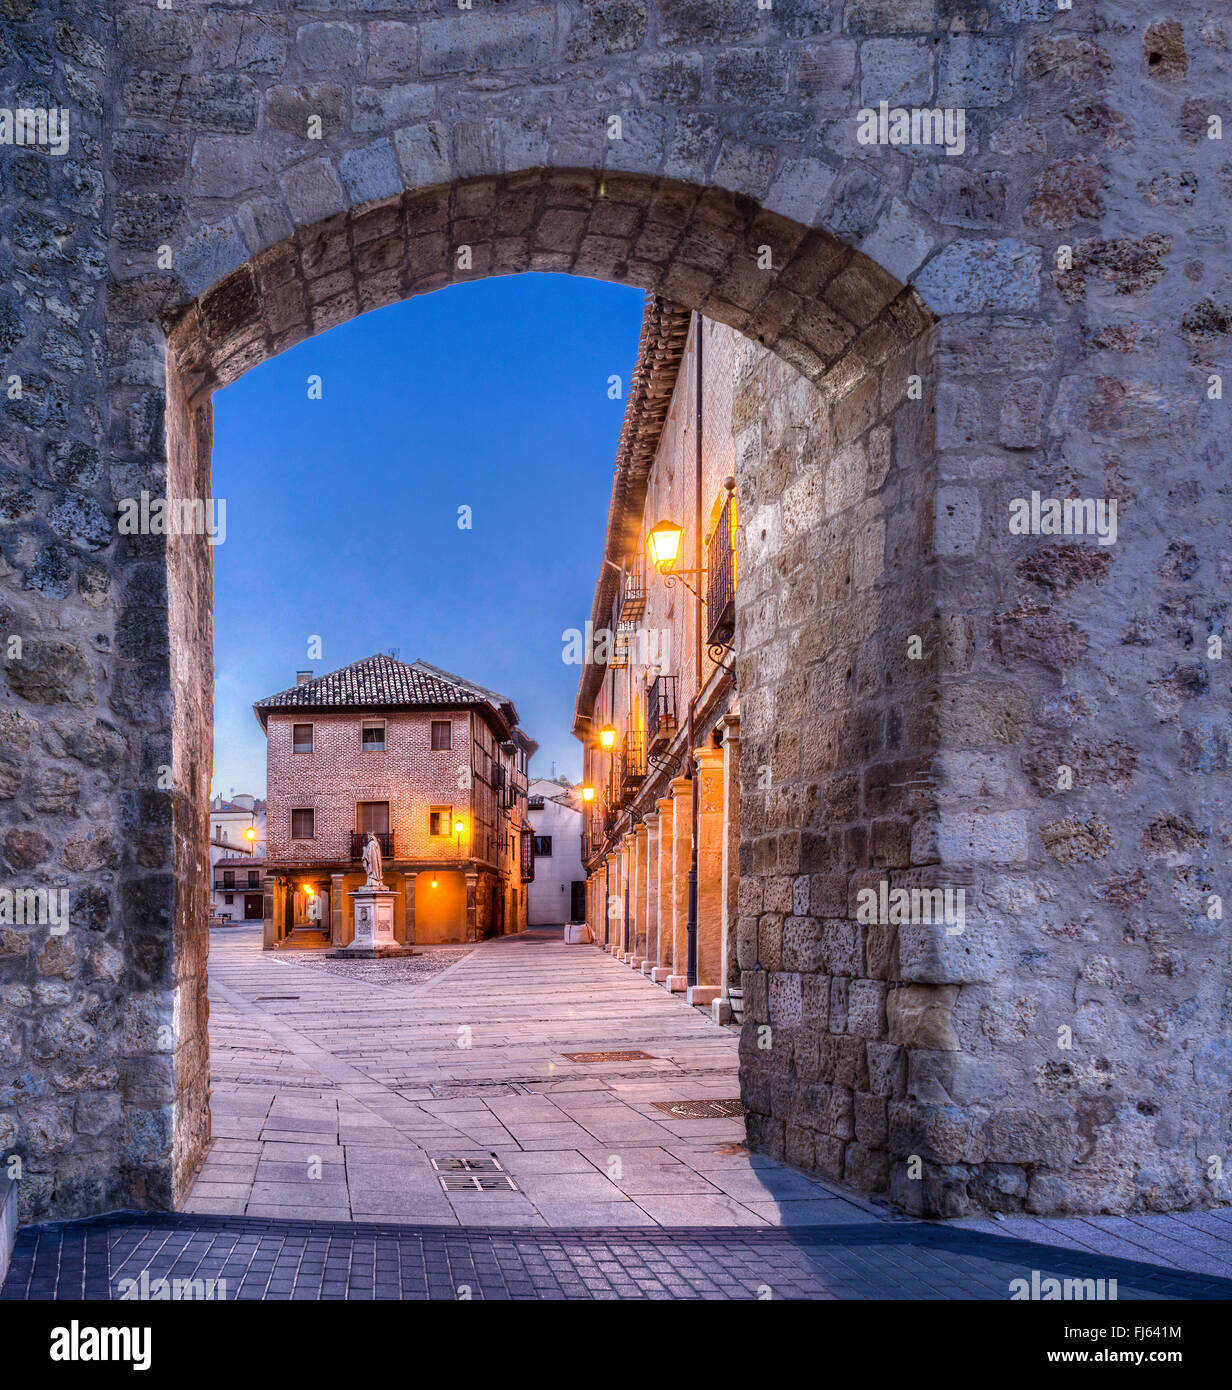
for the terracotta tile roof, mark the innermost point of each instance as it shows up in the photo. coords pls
(376, 682)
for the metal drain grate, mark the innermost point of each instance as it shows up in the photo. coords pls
(608, 1056)
(264, 998)
(479, 1182)
(466, 1165)
(701, 1109)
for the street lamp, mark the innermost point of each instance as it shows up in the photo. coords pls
(588, 793)
(607, 737)
(663, 542)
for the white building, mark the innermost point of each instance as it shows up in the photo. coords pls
(558, 893)
(237, 836)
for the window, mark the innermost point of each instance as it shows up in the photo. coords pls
(372, 815)
(254, 878)
(228, 878)
(440, 820)
(228, 899)
(372, 737)
(303, 824)
(301, 738)
(543, 847)
(442, 735)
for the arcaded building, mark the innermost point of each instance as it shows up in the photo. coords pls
(434, 766)
(656, 708)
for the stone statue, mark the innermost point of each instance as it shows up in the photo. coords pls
(372, 862)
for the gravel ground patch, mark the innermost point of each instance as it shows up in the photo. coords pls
(401, 970)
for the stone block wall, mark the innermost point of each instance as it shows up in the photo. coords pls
(1068, 307)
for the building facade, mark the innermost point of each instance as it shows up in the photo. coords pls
(237, 853)
(237, 891)
(434, 766)
(558, 892)
(656, 709)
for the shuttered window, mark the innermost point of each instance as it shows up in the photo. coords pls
(301, 738)
(372, 815)
(439, 818)
(372, 739)
(442, 734)
(303, 824)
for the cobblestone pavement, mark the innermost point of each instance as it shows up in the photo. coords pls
(333, 1096)
(335, 1260)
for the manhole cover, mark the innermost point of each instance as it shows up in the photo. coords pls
(479, 1182)
(466, 1165)
(701, 1109)
(608, 1056)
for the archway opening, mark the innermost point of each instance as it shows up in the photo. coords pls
(834, 507)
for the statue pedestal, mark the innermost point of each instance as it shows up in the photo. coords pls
(374, 925)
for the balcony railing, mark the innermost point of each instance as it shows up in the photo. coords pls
(528, 856)
(721, 579)
(632, 762)
(359, 838)
(633, 600)
(622, 644)
(660, 712)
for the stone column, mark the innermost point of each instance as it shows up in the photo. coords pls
(663, 955)
(709, 876)
(611, 904)
(336, 914)
(641, 839)
(408, 907)
(626, 895)
(472, 906)
(682, 842)
(729, 969)
(274, 913)
(652, 893)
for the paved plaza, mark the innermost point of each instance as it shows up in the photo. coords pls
(340, 1104)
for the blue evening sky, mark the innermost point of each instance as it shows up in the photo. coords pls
(342, 513)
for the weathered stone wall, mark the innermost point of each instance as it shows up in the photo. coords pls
(491, 129)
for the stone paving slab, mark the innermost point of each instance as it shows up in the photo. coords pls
(328, 1259)
(394, 1089)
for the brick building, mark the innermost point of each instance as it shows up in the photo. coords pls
(657, 673)
(434, 765)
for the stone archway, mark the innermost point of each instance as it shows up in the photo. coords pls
(245, 179)
(840, 323)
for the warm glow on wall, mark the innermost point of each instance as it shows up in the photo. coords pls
(663, 542)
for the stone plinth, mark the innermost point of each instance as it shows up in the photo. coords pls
(373, 910)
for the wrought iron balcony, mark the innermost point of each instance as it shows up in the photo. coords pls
(359, 838)
(721, 580)
(632, 762)
(660, 712)
(622, 644)
(633, 600)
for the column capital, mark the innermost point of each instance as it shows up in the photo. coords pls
(665, 805)
(682, 786)
(642, 831)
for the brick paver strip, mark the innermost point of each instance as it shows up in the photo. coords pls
(268, 1259)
